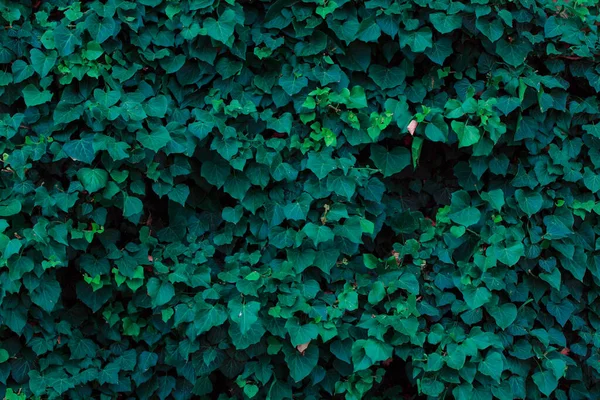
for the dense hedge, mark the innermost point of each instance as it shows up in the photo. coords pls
(309, 199)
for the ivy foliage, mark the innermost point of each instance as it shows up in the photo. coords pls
(307, 199)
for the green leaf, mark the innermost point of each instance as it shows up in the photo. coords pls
(21, 71)
(160, 292)
(293, 82)
(132, 206)
(530, 202)
(321, 163)
(437, 129)
(546, 382)
(445, 23)
(46, 295)
(34, 97)
(378, 350)
(476, 297)
(43, 63)
(301, 364)
(387, 78)
(591, 180)
(92, 179)
(156, 140)
(492, 366)
(513, 52)
(301, 333)
(390, 162)
(3, 356)
(156, 106)
(418, 41)
(377, 293)
(283, 124)
(504, 315)
(553, 278)
(179, 194)
(65, 40)
(493, 29)
(223, 28)
(559, 225)
(318, 233)
(467, 216)
(509, 253)
(10, 207)
(81, 150)
(467, 135)
(244, 313)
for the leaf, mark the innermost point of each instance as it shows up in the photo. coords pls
(509, 253)
(293, 82)
(223, 28)
(301, 333)
(161, 292)
(66, 40)
(504, 315)
(553, 278)
(47, 294)
(302, 347)
(559, 225)
(156, 140)
(546, 382)
(10, 207)
(34, 97)
(437, 130)
(132, 206)
(467, 216)
(390, 162)
(302, 364)
(513, 53)
(412, 127)
(476, 297)
(81, 150)
(492, 366)
(92, 179)
(418, 41)
(3, 356)
(321, 164)
(387, 78)
(283, 124)
(591, 180)
(245, 314)
(467, 135)
(493, 29)
(156, 106)
(21, 71)
(530, 202)
(445, 23)
(317, 233)
(43, 63)
(276, 8)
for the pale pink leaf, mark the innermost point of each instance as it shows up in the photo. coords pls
(412, 127)
(302, 347)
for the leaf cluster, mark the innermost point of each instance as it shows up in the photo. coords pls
(299, 199)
